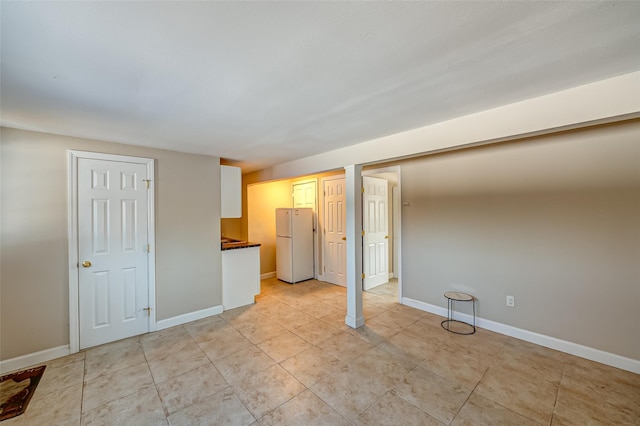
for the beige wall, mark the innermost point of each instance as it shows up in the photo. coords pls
(261, 215)
(603, 101)
(232, 228)
(553, 221)
(34, 276)
(260, 199)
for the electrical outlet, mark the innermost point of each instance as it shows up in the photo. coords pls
(511, 301)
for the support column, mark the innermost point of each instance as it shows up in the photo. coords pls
(355, 316)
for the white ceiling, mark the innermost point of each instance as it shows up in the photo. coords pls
(268, 82)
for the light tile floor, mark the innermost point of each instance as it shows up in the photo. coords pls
(290, 360)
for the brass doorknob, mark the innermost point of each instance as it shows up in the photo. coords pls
(386, 236)
(344, 238)
(86, 264)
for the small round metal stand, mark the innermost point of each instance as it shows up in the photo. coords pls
(458, 297)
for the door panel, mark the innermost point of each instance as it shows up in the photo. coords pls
(100, 228)
(112, 236)
(376, 225)
(335, 255)
(129, 226)
(304, 195)
(100, 298)
(129, 280)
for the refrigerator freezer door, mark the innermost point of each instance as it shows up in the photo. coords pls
(284, 261)
(283, 223)
(302, 224)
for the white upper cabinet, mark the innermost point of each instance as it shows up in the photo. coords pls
(230, 192)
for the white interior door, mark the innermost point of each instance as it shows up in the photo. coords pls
(335, 247)
(305, 196)
(376, 232)
(113, 277)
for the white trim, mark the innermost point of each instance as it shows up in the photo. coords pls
(427, 307)
(185, 318)
(604, 101)
(72, 223)
(23, 361)
(576, 349)
(353, 190)
(267, 275)
(72, 235)
(354, 322)
(397, 232)
(40, 357)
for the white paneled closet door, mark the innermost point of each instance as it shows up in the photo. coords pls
(335, 240)
(376, 232)
(113, 285)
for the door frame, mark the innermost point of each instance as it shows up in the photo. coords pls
(397, 219)
(72, 217)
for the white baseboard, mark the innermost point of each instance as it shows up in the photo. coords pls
(185, 318)
(24, 361)
(582, 351)
(60, 351)
(354, 322)
(267, 275)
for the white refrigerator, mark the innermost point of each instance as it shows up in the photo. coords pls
(294, 244)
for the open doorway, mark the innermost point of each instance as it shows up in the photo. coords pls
(381, 223)
(262, 200)
(264, 197)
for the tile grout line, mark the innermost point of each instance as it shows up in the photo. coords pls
(501, 405)
(555, 402)
(329, 405)
(155, 384)
(84, 373)
(293, 397)
(471, 393)
(392, 386)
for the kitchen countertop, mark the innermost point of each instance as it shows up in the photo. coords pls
(233, 245)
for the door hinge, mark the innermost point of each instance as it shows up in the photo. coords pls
(363, 275)
(148, 309)
(362, 189)
(146, 181)
(363, 232)
(148, 248)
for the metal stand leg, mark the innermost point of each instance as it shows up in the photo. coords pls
(450, 306)
(474, 314)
